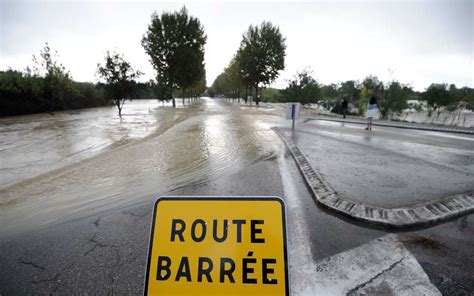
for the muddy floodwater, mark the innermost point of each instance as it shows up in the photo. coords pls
(66, 166)
(72, 164)
(34, 144)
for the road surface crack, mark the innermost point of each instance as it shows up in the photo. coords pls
(96, 244)
(362, 285)
(97, 222)
(27, 262)
(46, 280)
(133, 214)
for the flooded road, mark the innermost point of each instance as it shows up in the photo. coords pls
(180, 147)
(34, 144)
(213, 147)
(68, 166)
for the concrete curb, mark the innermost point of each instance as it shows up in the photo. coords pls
(399, 217)
(403, 126)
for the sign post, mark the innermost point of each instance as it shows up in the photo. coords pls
(293, 112)
(218, 246)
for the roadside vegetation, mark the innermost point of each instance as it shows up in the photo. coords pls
(174, 43)
(46, 87)
(119, 80)
(393, 97)
(256, 64)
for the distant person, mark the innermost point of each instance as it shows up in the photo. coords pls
(372, 112)
(345, 107)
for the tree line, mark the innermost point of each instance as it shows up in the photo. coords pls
(256, 63)
(46, 87)
(174, 43)
(392, 97)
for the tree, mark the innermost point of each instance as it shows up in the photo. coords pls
(261, 55)
(303, 88)
(469, 100)
(57, 80)
(394, 99)
(272, 95)
(235, 78)
(160, 91)
(330, 98)
(197, 88)
(437, 96)
(329, 91)
(175, 43)
(456, 96)
(349, 90)
(119, 77)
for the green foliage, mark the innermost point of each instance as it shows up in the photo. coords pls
(329, 97)
(220, 85)
(230, 82)
(468, 98)
(119, 77)
(437, 96)
(49, 87)
(329, 91)
(261, 55)
(175, 43)
(194, 90)
(272, 95)
(234, 75)
(350, 90)
(393, 99)
(303, 88)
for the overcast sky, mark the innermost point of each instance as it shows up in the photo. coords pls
(415, 42)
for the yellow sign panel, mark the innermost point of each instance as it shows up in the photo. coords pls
(218, 246)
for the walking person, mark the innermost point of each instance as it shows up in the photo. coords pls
(372, 112)
(345, 106)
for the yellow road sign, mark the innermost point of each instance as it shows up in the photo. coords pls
(218, 246)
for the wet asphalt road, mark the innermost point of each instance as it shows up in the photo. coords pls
(388, 167)
(100, 247)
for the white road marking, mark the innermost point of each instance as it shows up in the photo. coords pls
(441, 134)
(302, 270)
(382, 266)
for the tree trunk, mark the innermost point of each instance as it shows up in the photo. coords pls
(246, 94)
(174, 102)
(119, 106)
(256, 95)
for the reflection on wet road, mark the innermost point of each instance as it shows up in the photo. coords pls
(212, 138)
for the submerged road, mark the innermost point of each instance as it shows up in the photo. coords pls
(84, 227)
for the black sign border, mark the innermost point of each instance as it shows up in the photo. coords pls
(219, 198)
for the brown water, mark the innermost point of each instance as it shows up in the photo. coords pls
(34, 144)
(82, 166)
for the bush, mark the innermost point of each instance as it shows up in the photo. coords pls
(271, 95)
(22, 93)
